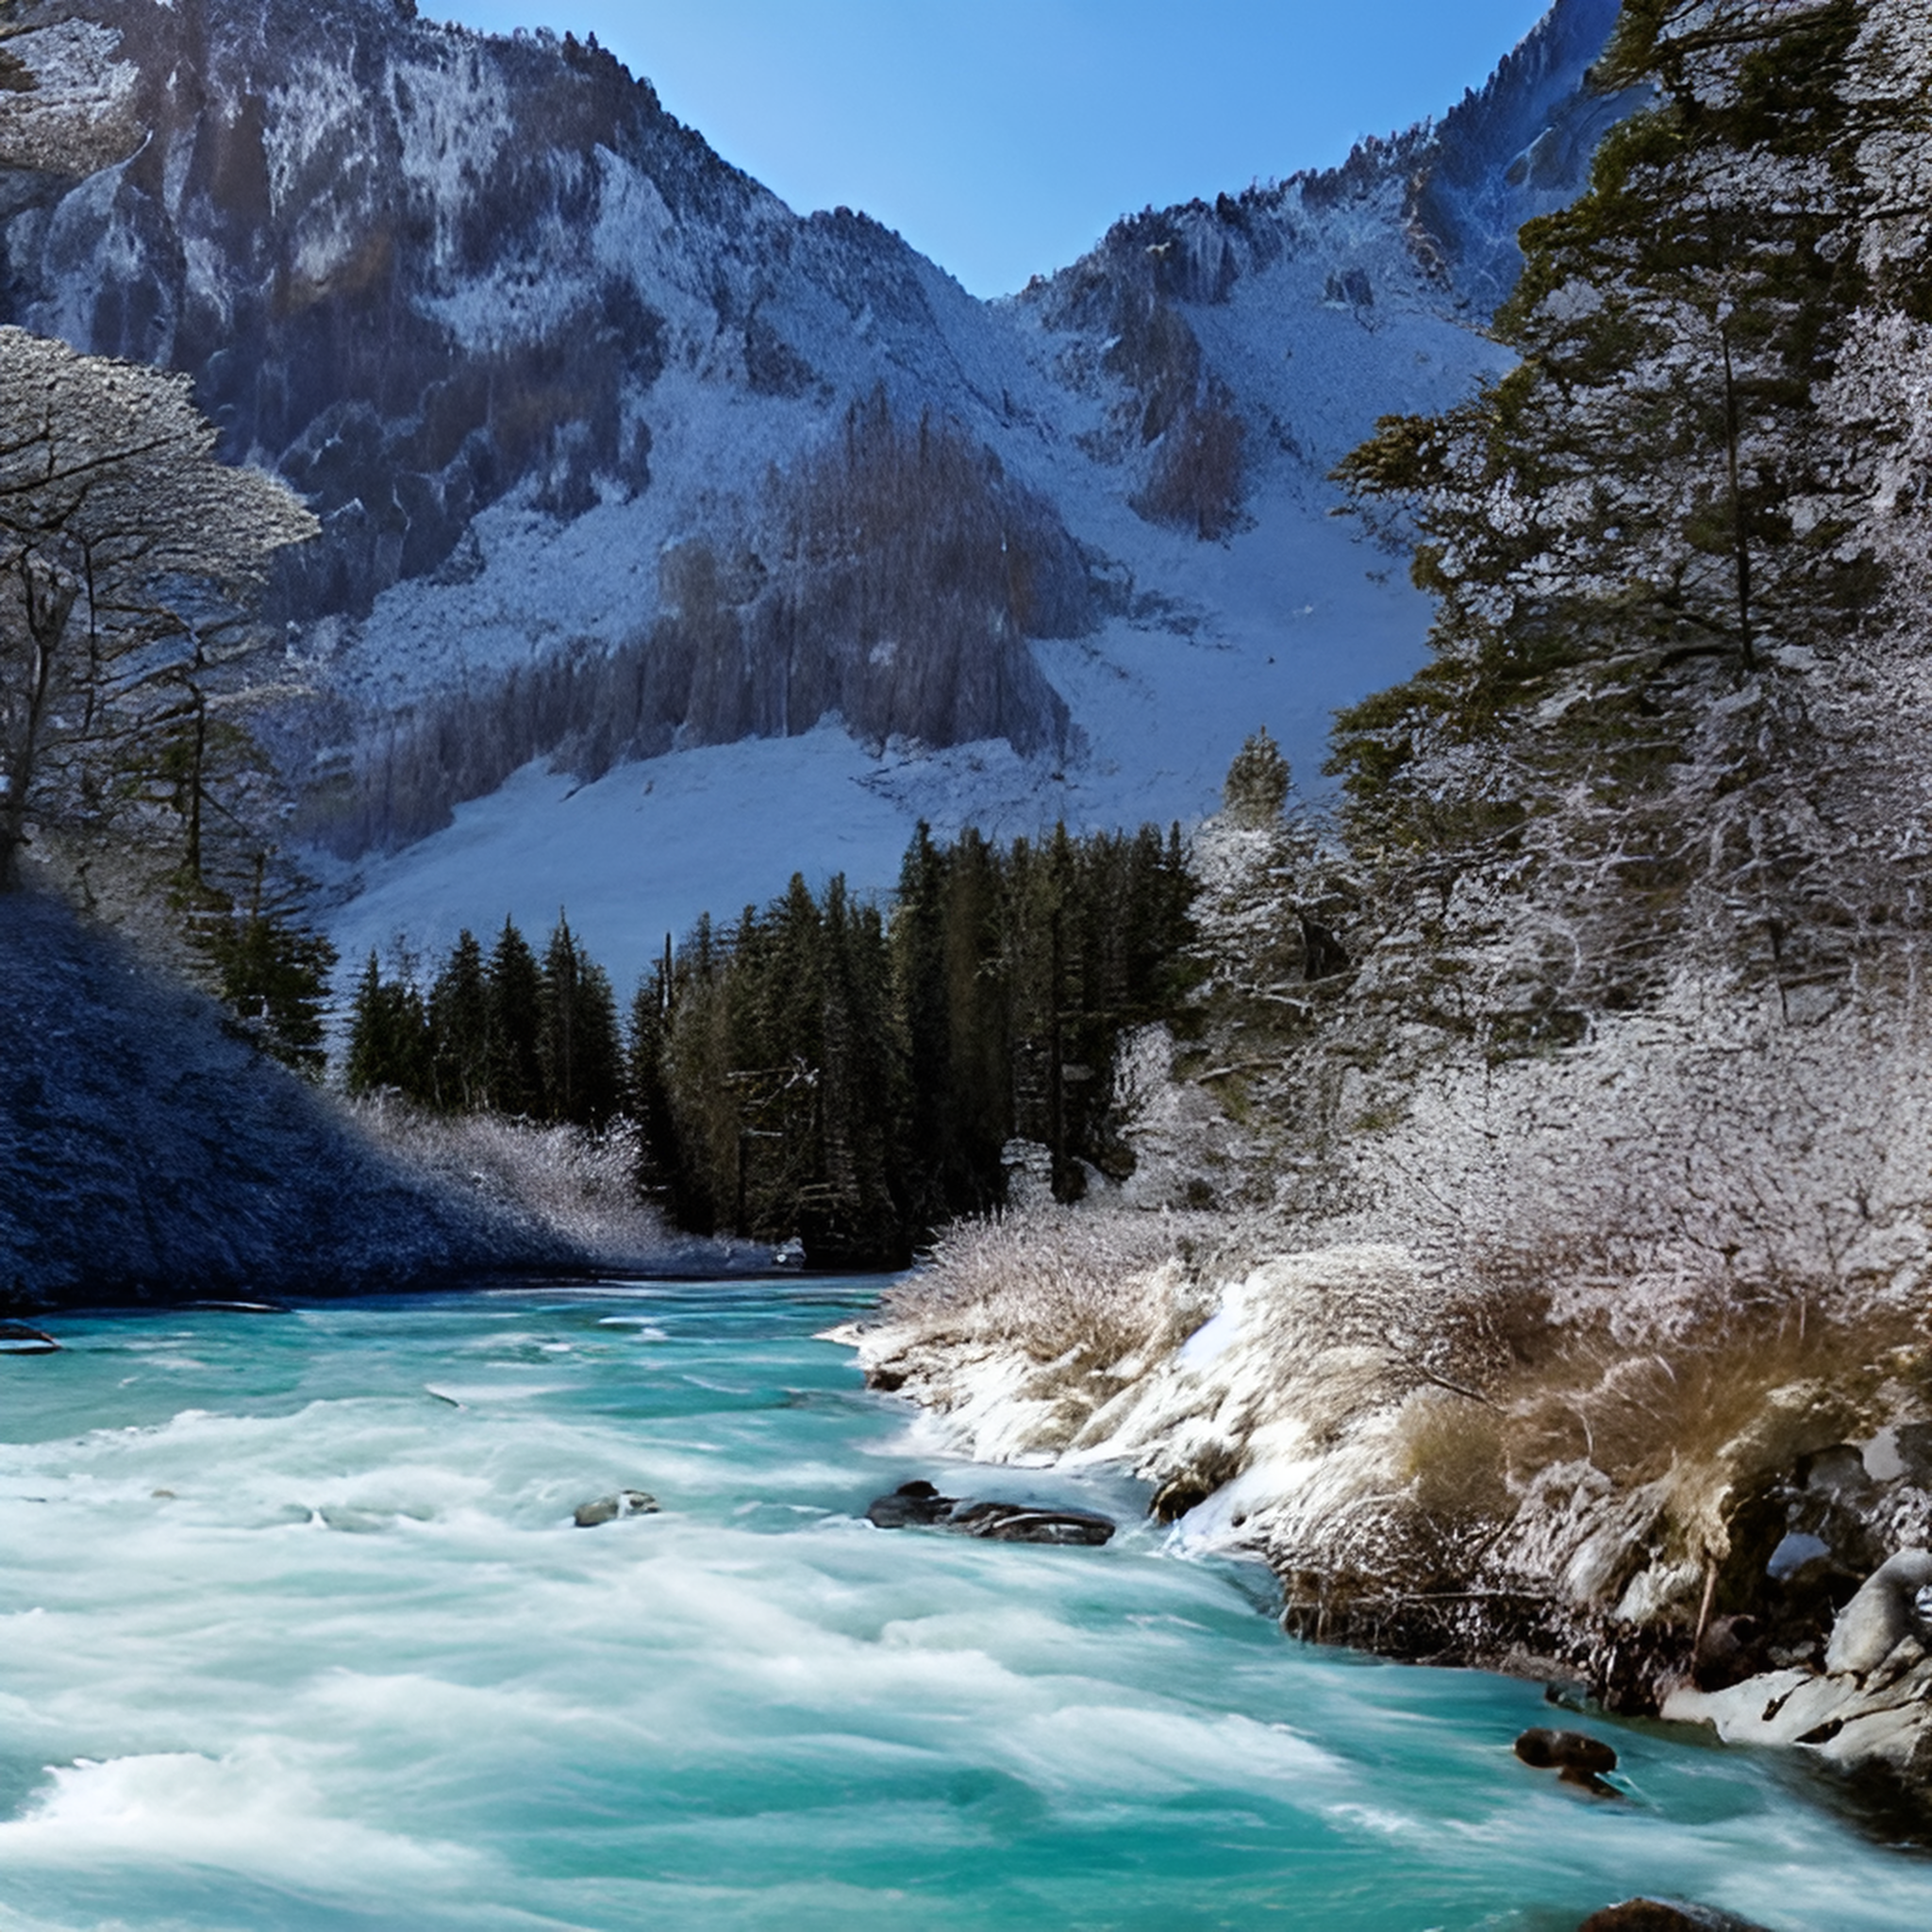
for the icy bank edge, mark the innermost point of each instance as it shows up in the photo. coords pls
(1288, 1412)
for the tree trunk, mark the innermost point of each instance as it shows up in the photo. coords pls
(1741, 545)
(48, 605)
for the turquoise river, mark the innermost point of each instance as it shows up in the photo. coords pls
(297, 1631)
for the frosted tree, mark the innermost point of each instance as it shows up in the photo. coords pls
(125, 548)
(1653, 540)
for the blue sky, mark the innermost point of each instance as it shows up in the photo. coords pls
(1001, 137)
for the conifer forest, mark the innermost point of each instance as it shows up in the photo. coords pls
(819, 1070)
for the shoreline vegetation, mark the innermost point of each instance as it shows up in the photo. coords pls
(819, 1073)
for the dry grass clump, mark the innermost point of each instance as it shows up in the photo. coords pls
(1737, 1390)
(1638, 1412)
(1102, 1289)
(1456, 1455)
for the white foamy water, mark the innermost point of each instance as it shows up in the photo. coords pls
(297, 1631)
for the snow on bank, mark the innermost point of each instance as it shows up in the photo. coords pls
(1433, 1466)
(1263, 1406)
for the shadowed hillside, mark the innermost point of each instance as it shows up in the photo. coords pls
(144, 1154)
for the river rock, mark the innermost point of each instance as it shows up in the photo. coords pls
(16, 1338)
(609, 1508)
(1727, 1653)
(1873, 1704)
(1015, 1523)
(1656, 1915)
(920, 1505)
(914, 1504)
(1575, 1757)
(1881, 1616)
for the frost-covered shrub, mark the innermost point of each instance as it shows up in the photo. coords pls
(576, 1186)
(1103, 1288)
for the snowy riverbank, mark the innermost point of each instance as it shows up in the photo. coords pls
(1453, 1478)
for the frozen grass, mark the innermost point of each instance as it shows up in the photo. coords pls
(574, 1186)
(1737, 1392)
(1103, 1289)
(1385, 1424)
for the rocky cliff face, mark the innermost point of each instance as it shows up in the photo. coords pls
(516, 333)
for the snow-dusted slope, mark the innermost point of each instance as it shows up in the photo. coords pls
(520, 338)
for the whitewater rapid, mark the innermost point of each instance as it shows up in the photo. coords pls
(297, 1631)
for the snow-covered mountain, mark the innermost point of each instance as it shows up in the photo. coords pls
(628, 469)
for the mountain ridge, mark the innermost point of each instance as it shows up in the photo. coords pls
(523, 341)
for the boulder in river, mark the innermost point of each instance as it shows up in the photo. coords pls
(1577, 1757)
(919, 1505)
(610, 1508)
(1658, 1915)
(16, 1338)
(911, 1503)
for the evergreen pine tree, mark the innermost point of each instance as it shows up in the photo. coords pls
(859, 1098)
(460, 1030)
(272, 974)
(979, 1026)
(516, 998)
(647, 1095)
(929, 1160)
(388, 1037)
(1639, 534)
(267, 967)
(697, 1063)
(599, 1047)
(578, 1040)
(1256, 791)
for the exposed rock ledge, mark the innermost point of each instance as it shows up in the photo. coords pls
(1868, 1709)
(1673, 1526)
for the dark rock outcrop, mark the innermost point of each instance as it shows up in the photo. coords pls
(1659, 1915)
(1015, 1522)
(919, 1505)
(1866, 1713)
(912, 1505)
(1538, 112)
(1885, 1611)
(145, 1154)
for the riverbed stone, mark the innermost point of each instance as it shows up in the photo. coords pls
(1015, 1523)
(920, 1505)
(1871, 1708)
(913, 1505)
(610, 1508)
(1661, 1915)
(1575, 1757)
